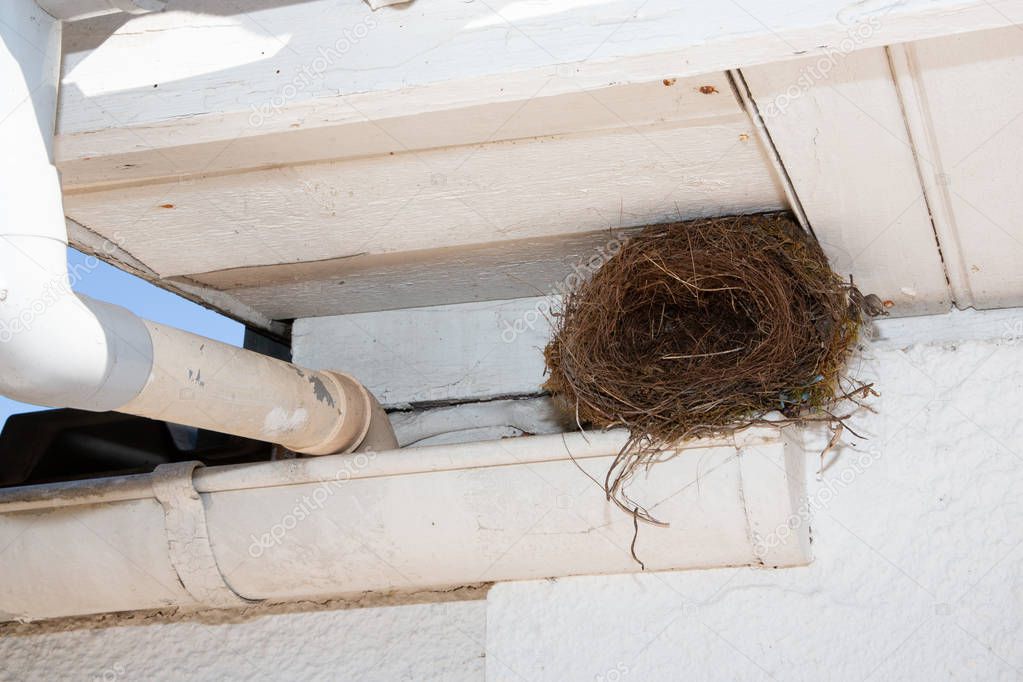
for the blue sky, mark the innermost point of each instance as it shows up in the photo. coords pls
(107, 283)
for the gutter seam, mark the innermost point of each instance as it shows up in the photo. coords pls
(188, 541)
(752, 536)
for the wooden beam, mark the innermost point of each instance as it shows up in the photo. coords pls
(841, 135)
(410, 279)
(964, 100)
(455, 196)
(91, 243)
(168, 95)
(468, 351)
(86, 162)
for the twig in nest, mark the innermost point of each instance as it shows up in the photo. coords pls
(635, 537)
(836, 435)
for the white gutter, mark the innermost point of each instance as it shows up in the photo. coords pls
(64, 350)
(410, 519)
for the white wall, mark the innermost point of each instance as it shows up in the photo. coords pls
(918, 572)
(407, 642)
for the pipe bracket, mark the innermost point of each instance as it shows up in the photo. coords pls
(188, 538)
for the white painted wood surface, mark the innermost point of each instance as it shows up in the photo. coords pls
(439, 198)
(839, 130)
(439, 353)
(348, 130)
(87, 241)
(964, 103)
(409, 279)
(298, 138)
(206, 74)
(280, 241)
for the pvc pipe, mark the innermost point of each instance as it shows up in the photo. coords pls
(64, 350)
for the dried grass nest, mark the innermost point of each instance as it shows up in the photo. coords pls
(700, 328)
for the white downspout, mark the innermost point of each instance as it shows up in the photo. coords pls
(64, 350)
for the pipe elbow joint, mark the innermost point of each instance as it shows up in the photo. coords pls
(60, 349)
(363, 424)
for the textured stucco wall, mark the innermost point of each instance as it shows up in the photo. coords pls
(918, 544)
(406, 642)
(918, 571)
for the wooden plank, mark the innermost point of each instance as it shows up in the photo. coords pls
(346, 132)
(89, 242)
(514, 269)
(840, 132)
(965, 107)
(467, 351)
(285, 68)
(439, 198)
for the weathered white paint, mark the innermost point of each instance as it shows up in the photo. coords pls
(749, 105)
(77, 10)
(377, 4)
(838, 127)
(279, 69)
(687, 143)
(437, 353)
(964, 103)
(441, 198)
(475, 421)
(409, 279)
(306, 142)
(958, 325)
(344, 525)
(87, 241)
(350, 132)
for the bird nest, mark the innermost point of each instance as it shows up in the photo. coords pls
(701, 328)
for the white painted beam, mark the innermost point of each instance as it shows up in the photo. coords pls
(435, 354)
(168, 94)
(449, 197)
(963, 102)
(838, 128)
(278, 137)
